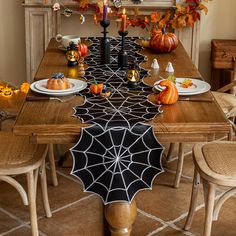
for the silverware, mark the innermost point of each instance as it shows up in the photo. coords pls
(42, 98)
(193, 99)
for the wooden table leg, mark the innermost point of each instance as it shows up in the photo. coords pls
(120, 216)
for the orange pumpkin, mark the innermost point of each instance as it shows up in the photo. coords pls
(163, 42)
(24, 88)
(169, 95)
(96, 88)
(83, 49)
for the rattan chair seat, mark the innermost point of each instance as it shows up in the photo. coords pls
(18, 155)
(221, 157)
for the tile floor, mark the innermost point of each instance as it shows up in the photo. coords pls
(161, 211)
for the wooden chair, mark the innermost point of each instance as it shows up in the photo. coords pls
(215, 164)
(19, 156)
(4, 115)
(227, 103)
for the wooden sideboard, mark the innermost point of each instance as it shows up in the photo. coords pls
(42, 23)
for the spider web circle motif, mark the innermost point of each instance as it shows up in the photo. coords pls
(117, 163)
(118, 112)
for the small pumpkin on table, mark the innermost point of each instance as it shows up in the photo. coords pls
(162, 41)
(95, 87)
(169, 95)
(82, 49)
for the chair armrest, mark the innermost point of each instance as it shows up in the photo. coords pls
(227, 87)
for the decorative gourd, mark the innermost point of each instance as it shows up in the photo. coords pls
(163, 42)
(96, 88)
(83, 49)
(169, 95)
(24, 88)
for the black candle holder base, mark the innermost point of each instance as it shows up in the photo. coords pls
(122, 55)
(72, 63)
(122, 59)
(133, 85)
(105, 51)
(105, 43)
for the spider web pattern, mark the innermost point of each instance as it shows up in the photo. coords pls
(117, 156)
(118, 162)
(131, 105)
(116, 112)
(110, 74)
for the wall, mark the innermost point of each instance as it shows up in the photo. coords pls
(12, 42)
(219, 23)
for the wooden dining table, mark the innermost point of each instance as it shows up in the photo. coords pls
(53, 122)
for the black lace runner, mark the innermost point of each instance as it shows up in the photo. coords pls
(118, 155)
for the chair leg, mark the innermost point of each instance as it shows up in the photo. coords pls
(179, 165)
(17, 186)
(193, 202)
(52, 165)
(210, 198)
(44, 190)
(32, 203)
(170, 151)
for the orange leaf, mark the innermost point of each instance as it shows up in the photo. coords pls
(84, 4)
(203, 7)
(190, 20)
(155, 17)
(181, 22)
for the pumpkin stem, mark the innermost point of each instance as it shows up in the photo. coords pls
(95, 81)
(164, 29)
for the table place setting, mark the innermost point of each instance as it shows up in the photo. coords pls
(75, 87)
(187, 86)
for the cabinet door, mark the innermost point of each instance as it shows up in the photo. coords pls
(38, 27)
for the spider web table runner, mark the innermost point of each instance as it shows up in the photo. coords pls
(119, 155)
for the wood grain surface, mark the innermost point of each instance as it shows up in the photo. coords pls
(53, 122)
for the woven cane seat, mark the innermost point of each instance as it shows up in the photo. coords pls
(215, 164)
(227, 103)
(18, 155)
(221, 158)
(217, 161)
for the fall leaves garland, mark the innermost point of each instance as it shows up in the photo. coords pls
(184, 14)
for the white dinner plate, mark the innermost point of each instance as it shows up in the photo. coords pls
(40, 87)
(198, 87)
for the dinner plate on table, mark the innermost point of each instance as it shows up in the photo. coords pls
(197, 87)
(41, 87)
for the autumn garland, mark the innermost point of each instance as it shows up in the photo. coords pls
(182, 15)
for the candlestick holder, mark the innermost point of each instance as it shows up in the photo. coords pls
(105, 43)
(122, 55)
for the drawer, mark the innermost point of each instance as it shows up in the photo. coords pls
(223, 53)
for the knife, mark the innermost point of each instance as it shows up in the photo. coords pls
(196, 99)
(44, 98)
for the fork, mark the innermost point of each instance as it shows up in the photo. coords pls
(40, 98)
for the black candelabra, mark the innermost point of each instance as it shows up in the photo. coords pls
(105, 43)
(122, 55)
